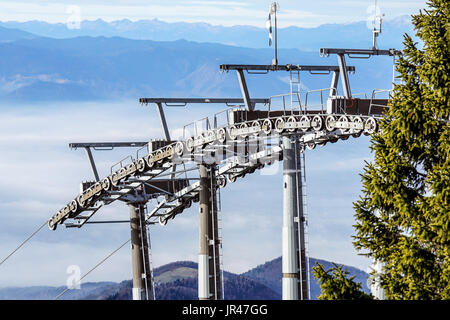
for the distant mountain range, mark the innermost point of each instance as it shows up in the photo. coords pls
(178, 281)
(306, 39)
(100, 68)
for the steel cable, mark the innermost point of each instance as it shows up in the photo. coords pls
(95, 267)
(25, 241)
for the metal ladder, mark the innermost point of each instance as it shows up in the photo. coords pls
(305, 215)
(294, 85)
(216, 206)
(150, 257)
(220, 237)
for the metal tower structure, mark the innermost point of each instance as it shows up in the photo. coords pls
(217, 150)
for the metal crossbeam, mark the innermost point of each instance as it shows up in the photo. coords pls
(200, 100)
(286, 67)
(367, 52)
(106, 144)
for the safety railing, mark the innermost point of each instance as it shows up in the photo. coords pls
(331, 91)
(294, 105)
(120, 164)
(373, 97)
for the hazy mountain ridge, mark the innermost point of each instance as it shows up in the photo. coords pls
(101, 68)
(306, 39)
(178, 281)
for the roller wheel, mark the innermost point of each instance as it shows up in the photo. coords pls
(344, 124)
(370, 126)
(292, 119)
(190, 144)
(317, 123)
(267, 126)
(305, 123)
(330, 123)
(51, 225)
(232, 132)
(179, 147)
(150, 162)
(279, 125)
(106, 183)
(140, 165)
(73, 206)
(221, 135)
(257, 125)
(310, 145)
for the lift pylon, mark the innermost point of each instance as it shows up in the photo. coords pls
(209, 283)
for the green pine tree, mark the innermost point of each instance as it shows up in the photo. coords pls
(336, 285)
(403, 215)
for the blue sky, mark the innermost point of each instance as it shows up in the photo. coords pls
(250, 12)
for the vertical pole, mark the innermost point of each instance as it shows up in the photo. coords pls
(203, 255)
(209, 284)
(344, 73)
(290, 268)
(275, 60)
(141, 287)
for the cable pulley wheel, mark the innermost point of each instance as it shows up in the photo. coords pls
(140, 165)
(305, 123)
(243, 126)
(51, 225)
(330, 123)
(80, 201)
(190, 144)
(159, 152)
(170, 151)
(343, 120)
(232, 132)
(149, 160)
(370, 126)
(257, 125)
(279, 125)
(106, 183)
(231, 178)
(98, 185)
(221, 135)
(221, 181)
(292, 120)
(73, 206)
(267, 126)
(358, 124)
(317, 123)
(310, 145)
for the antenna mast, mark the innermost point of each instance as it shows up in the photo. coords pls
(273, 11)
(376, 31)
